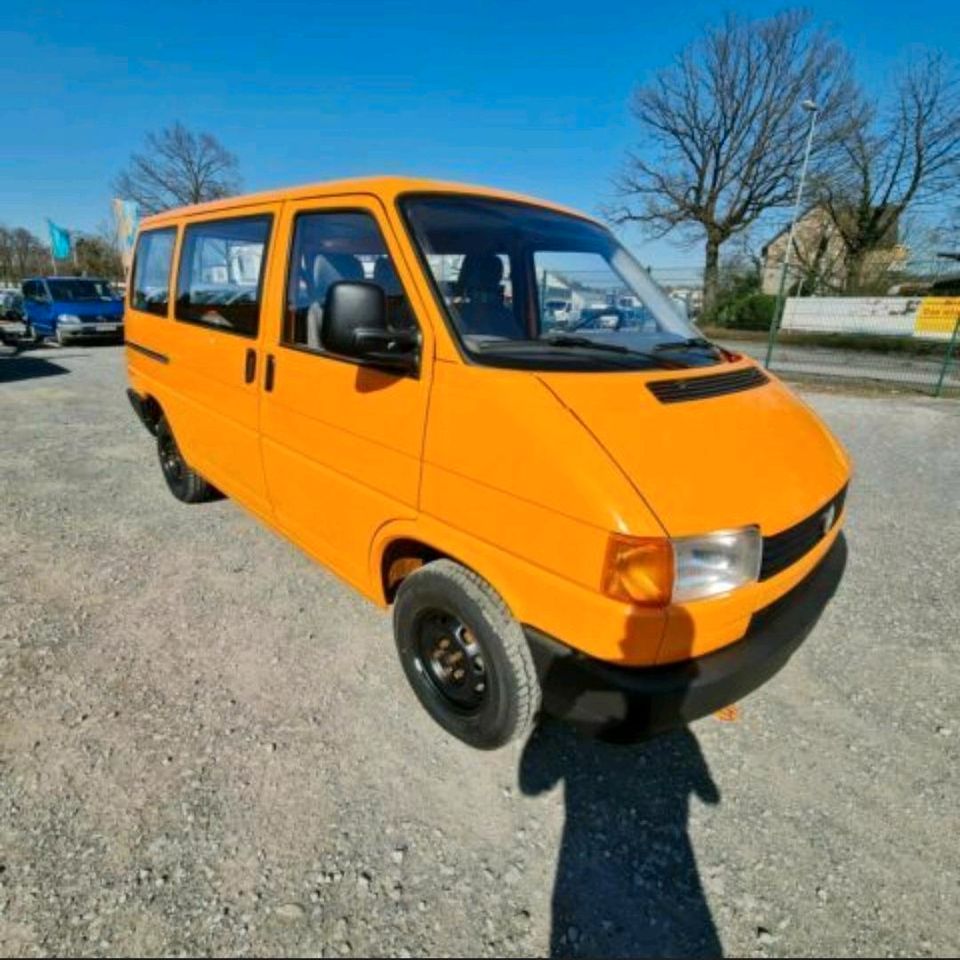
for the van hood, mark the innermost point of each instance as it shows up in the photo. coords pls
(758, 456)
(89, 308)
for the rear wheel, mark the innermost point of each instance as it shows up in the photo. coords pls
(185, 483)
(465, 655)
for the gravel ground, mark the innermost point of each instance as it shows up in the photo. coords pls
(208, 747)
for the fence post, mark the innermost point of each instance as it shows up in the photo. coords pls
(948, 358)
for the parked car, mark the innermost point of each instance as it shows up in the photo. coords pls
(630, 527)
(67, 308)
(561, 313)
(13, 327)
(946, 287)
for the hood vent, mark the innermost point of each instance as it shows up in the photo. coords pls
(701, 388)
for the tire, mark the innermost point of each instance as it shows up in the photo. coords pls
(498, 698)
(185, 483)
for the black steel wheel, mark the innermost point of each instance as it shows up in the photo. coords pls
(450, 657)
(465, 655)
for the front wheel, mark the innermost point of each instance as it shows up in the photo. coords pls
(465, 655)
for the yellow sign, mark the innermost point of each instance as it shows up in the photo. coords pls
(937, 316)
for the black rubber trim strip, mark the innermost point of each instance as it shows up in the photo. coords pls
(147, 352)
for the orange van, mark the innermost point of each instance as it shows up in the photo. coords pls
(479, 410)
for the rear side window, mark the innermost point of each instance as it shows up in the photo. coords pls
(221, 274)
(151, 271)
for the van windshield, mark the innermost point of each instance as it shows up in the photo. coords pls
(80, 289)
(529, 287)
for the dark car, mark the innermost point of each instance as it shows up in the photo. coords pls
(11, 307)
(13, 326)
(946, 287)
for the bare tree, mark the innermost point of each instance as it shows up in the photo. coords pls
(21, 254)
(178, 167)
(903, 157)
(725, 131)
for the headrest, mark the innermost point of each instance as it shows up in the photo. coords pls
(386, 277)
(330, 267)
(480, 271)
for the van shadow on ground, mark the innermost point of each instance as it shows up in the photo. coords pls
(627, 881)
(19, 366)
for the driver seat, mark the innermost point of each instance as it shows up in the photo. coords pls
(483, 310)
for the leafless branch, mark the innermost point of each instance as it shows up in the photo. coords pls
(178, 167)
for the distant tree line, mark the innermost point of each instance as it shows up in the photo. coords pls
(24, 254)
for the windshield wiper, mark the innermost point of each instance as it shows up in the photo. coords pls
(686, 344)
(563, 340)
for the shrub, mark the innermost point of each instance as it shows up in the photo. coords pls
(752, 312)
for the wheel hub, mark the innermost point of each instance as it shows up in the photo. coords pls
(451, 657)
(170, 458)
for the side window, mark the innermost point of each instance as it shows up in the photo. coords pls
(328, 247)
(151, 271)
(30, 289)
(221, 274)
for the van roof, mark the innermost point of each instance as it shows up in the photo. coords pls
(385, 187)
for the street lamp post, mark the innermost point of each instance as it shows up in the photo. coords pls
(777, 318)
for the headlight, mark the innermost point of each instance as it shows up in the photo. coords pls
(655, 571)
(715, 563)
(69, 319)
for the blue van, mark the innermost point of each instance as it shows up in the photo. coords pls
(69, 307)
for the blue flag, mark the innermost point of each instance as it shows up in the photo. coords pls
(59, 241)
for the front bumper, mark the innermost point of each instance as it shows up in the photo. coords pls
(635, 703)
(12, 330)
(92, 330)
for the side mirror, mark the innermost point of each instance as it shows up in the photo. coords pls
(355, 325)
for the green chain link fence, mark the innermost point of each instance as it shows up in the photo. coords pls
(903, 342)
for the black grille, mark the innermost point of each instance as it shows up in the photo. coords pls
(785, 548)
(700, 388)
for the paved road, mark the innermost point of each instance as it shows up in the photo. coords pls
(206, 745)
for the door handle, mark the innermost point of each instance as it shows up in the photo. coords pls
(268, 375)
(250, 366)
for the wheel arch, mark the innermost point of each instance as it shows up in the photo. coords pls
(147, 408)
(400, 547)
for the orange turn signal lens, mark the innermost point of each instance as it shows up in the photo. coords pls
(639, 570)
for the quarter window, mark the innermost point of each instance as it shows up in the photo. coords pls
(221, 274)
(332, 247)
(151, 271)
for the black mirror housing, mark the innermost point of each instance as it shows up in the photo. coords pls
(355, 325)
(351, 306)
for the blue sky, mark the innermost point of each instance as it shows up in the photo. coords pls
(530, 96)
